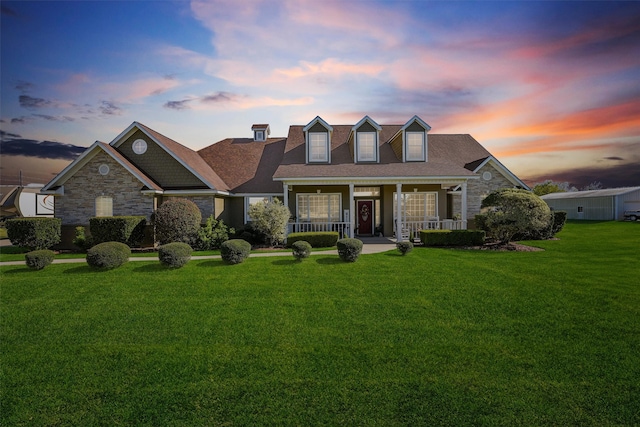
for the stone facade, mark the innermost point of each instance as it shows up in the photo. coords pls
(206, 204)
(478, 189)
(77, 204)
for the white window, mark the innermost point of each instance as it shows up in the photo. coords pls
(319, 207)
(416, 206)
(415, 146)
(318, 147)
(104, 206)
(366, 146)
(252, 200)
(259, 135)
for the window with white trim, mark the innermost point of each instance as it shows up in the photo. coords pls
(104, 206)
(252, 200)
(366, 146)
(416, 206)
(259, 135)
(318, 147)
(315, 207)
(415, 146)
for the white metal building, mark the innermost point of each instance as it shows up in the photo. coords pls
(607, 204)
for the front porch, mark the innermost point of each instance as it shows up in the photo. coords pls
(367, 209)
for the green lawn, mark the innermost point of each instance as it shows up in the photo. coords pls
(438, 337)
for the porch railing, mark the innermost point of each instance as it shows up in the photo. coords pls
(302, 227)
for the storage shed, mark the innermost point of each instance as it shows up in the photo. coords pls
(607, 204)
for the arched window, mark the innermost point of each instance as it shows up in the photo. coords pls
(104, 206)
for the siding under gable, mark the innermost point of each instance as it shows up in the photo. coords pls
(159, 165)
(396, 145)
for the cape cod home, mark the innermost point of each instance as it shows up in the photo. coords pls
(360, 180)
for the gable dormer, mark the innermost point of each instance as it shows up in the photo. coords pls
(317, 135)
(260, 132)
(365, 138)
(411, 143)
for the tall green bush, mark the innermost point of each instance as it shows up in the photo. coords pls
(177, 220)
(34, 233)
(510, 212)
(124, 229)
(270, 218)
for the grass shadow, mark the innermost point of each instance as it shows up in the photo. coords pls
(150, 268)
(212, 263)
(18, 269)
(329, 260)
(286, 262)
(82, 269)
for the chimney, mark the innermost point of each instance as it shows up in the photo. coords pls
(260, 132)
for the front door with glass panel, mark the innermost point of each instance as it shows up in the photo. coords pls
(365, 217)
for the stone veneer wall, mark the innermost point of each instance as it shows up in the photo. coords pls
(478, 189)
(206, 204)
(77, 204)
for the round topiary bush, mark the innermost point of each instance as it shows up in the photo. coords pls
(301, 250)
(38, 260)
(108, 255)
(349, 249)
(235, 251)
(404, 247)
(174, 255)
(177, 220)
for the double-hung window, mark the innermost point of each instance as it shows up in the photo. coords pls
(104, 206)
(318, 147)
(319, 207)
(252, 200)
(366, 142)
(415, 146)
(416, 207)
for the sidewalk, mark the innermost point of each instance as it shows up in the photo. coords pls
(374, 247)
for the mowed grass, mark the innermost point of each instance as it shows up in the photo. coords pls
(438, 337)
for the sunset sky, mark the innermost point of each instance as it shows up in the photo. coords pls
(552, 89)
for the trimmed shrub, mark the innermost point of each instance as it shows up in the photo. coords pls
(452, 237)
(212, 234)
(301, 250)
(34, 233)
(177, 220)
(235, 251)
(123, 229)
(317, 239)
(270, 218)
(404, 247)
(108, 255)
(174, 255)
(38, 260)
(559, 220)
(349, 249)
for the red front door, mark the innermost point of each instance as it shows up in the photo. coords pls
(365, 217)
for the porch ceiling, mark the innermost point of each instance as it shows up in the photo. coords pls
(445, 182)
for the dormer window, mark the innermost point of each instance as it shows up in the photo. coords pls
(366, 143)
(318, 141)
(260, 132)
(365, 140)
(318, 147)
(415, 146)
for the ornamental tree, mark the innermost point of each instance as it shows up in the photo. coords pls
(271, 219)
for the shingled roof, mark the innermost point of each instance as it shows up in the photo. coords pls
(447, 157)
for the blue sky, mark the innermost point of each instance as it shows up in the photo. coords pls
(551, 88)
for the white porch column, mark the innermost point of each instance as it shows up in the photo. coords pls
(398, 213)
(464, 204)
(285, 197)
(352, 213)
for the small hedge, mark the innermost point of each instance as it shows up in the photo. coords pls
(317, 239)
(108, 255)
(235, 251)
(174, 255)
(404, 247)
(301, 250)
(349, 249)
(123, 229)
(34, 233)
(452, 237)
(38, 260)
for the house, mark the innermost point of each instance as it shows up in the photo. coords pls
(607, 204)
(345, 178)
